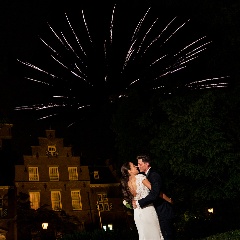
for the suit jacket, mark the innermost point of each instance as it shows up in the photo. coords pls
(163, 208)
(156, 185)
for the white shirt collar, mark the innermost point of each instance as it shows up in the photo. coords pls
(147, 171)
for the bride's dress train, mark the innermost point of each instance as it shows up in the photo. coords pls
(146, 218)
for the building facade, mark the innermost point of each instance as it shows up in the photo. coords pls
(53, 176)
(7, 190)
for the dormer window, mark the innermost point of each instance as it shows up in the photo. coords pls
(96, 175)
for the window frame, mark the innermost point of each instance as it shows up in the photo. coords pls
(54, 176)
(32, 203)
(73, 175)
(57, 200)
(33, 174)
(76, 200)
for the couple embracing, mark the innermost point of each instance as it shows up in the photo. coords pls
(152, 211)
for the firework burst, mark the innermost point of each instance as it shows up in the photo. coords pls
(93, 66)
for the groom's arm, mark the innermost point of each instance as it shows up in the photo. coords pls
(156, 185)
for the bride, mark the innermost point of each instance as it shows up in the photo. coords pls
(136, 186)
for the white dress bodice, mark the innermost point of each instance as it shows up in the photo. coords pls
(142, 191)
(146, 218)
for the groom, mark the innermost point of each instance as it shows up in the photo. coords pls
(163, 208)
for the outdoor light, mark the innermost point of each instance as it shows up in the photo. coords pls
(44, 225)
(210, 210)
(110, 227)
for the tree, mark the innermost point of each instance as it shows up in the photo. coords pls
(193, 142)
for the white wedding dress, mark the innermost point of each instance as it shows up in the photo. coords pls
(146, 218)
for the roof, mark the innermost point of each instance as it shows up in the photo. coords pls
(105, 176)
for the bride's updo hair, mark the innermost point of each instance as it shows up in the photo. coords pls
(124, 182)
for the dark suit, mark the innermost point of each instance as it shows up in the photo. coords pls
(163, 208)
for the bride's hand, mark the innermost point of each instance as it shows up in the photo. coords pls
(134, 204)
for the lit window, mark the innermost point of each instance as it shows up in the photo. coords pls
(100, 207)
(56, 200)
(33, 174)
(102, 202)
(73, 174)
(100, 198)
(110, 227)
(76, 200)
(210, 210)
(96, 175)
(53, 174)
(35, 200)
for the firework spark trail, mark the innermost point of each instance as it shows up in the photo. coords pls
(55, 34)
(41, 106)
(83, 106)
(48, 116)
(189, 45)
(134, 39)
(208, 79)
(140, 45)
(111, 25)
(105, 47)
(139, 24)
(129, 54)
(86, 26)
(175, 31)
(38, 81)
(49, 46)
(157, 60)
(106, 61)
(168, 72)
(73, 72)
(58, 61)
(134, 82)
(80, 70)
(155, 39)
(191, 53)
(65, 39)
(37, 68)
(75, 35)
(175, 62)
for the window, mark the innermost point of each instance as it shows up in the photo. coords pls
(76, 200)
(53, 174)
(102, 202)
(33, 174)
(106, 207)
(56, 200)
(96, 175)
(73, 174)
(109, 227)
(34, 200)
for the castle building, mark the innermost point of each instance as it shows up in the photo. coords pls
(54, 177)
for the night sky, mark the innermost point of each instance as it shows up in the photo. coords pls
(23, 22)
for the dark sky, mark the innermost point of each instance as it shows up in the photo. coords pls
(23, 22)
